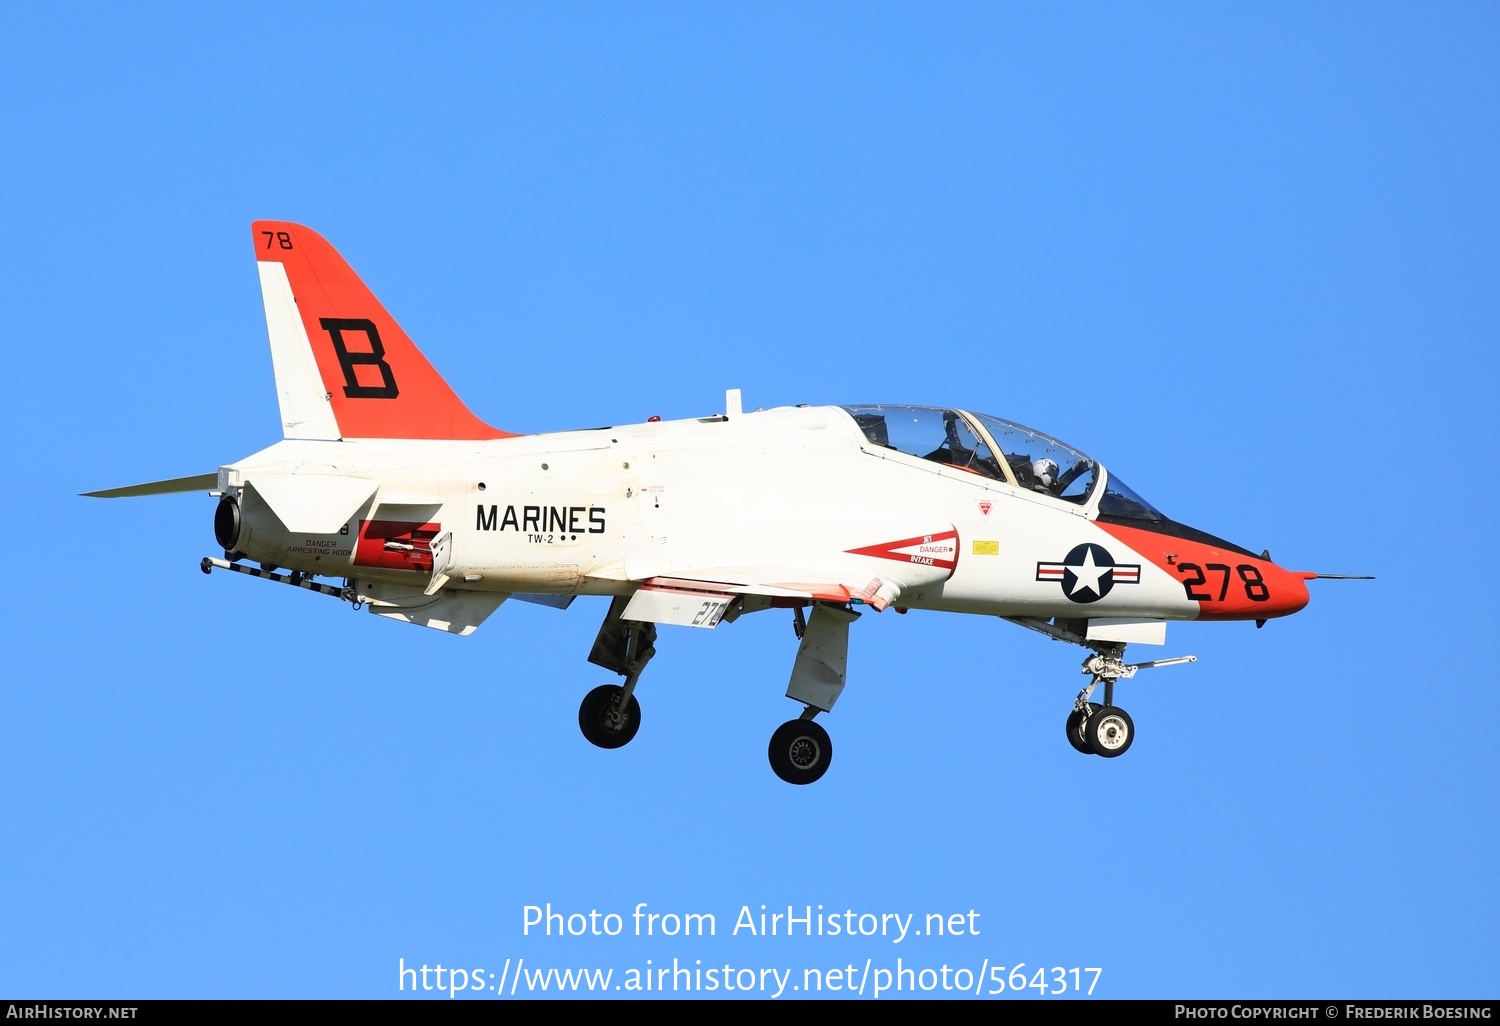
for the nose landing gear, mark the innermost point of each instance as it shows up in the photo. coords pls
(1104, 730)
(1094, 729)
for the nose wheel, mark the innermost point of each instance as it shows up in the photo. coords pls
(1096, 729)
(1077, 720)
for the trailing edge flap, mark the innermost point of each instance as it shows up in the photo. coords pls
(723, 587)
(314, 503)
(683, 603)
(793, 583)
(703, 603)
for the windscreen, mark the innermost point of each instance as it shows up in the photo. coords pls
(1120, 500)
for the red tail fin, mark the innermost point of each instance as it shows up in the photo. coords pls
(378, 384)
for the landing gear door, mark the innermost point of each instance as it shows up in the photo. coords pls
(818, 674)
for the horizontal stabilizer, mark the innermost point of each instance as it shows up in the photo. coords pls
(196, 483)
(314, 503)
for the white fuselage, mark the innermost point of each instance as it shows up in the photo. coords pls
(780, 499)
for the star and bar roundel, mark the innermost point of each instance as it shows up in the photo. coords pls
(1088, 573)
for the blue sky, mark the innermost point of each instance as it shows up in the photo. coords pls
(1244, 254)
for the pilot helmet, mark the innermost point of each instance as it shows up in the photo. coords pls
(1045, 471)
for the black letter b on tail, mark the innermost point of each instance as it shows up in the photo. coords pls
(336, 326)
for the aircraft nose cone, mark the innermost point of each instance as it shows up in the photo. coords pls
(1256, 589)
(1289, 593)
(1227, 582)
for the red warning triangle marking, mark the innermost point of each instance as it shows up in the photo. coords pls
(939, 550)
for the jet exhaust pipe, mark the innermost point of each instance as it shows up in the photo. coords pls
(227, 523)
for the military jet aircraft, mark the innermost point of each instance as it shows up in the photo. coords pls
(385, 483)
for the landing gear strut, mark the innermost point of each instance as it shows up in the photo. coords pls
(610, 715)
(801, 750)
(1092, 728)
(1102, 729)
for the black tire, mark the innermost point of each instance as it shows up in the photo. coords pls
(800, 751)
(600, 721)
(1110, 732)
(1077, 722)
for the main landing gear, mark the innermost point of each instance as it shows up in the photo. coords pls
(610, 714)
(1094, 728)
(800, 750)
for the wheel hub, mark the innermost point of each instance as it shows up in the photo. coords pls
(1112, 733)
(804, 753)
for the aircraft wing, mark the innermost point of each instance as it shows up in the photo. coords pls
(697, 593)
(702, 602)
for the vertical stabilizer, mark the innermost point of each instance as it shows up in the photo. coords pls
(344, 368)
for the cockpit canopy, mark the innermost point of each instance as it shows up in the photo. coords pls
(1028, 459)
